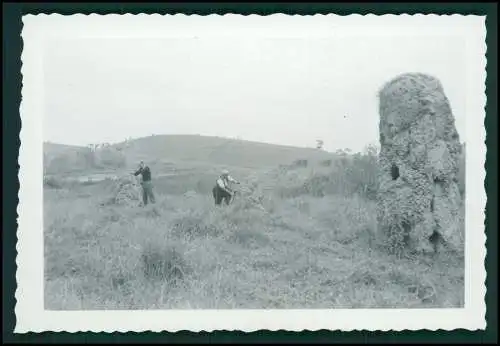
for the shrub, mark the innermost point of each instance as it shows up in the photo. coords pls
(164, 263)
(194, 225)
(354, 174)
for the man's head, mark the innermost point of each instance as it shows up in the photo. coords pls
(225, 173)
(141, 164)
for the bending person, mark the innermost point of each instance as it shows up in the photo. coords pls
(222, 190)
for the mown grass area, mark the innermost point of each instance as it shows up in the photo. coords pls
(293, 248)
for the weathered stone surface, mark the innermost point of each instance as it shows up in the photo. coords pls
(419, 159)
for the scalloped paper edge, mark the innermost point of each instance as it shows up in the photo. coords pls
(30, 313)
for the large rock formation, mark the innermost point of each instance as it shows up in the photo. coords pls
(418, 199)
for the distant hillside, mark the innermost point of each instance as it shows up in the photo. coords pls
(62, 158)
(186, 148)
(216, 150)
(54, 149)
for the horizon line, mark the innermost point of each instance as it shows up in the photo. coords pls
(207, 136)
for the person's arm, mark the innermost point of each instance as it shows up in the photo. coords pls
(139, 171)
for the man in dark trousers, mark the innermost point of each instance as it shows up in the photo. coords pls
(222, 191)
(147, 186)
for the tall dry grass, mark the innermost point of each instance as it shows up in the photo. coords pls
(279, 245)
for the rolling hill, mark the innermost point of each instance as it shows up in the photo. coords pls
(217, 150)
(51, 150)
(197, 149)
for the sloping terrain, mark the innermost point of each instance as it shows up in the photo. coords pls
(292, 239)
(192, 150)
(217, 150)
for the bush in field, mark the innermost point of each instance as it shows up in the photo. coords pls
(359, 173)
(349, 174)
(164, 263)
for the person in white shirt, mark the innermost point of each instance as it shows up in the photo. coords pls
(222, 189)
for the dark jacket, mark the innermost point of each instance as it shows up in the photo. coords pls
(146, 173)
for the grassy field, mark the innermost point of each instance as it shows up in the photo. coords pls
(294, 238)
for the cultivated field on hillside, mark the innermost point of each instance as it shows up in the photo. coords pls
(296, 237)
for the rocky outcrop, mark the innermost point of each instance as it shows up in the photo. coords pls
(418, 198)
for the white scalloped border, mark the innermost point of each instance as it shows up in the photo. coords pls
(29, 301)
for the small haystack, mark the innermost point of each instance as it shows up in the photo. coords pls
(127, 191)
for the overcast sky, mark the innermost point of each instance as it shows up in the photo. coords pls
(280, 90)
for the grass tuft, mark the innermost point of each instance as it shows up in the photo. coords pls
(164, 263)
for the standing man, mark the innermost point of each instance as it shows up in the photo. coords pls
(222, 190)
(147, 186)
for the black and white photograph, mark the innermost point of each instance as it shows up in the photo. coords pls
(251, 172)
